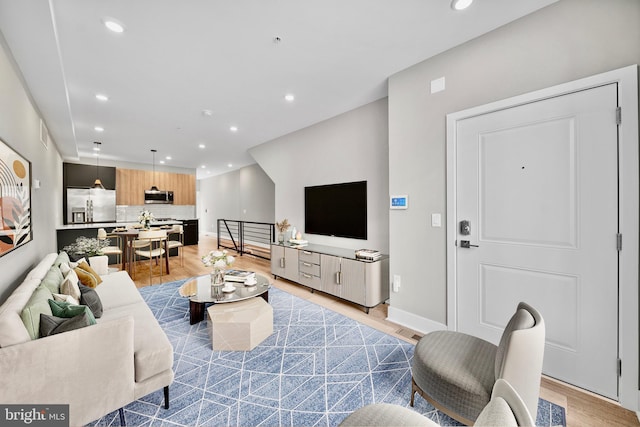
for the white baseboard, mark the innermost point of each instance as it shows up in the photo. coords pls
(413, 321)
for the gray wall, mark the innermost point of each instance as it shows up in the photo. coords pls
(245, 194)
(349, 147)
(566, 41)
(20, 129)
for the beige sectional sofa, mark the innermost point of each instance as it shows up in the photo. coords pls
(95, 369)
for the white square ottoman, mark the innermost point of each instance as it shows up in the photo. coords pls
(241, 325)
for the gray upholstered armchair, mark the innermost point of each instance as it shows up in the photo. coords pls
(505, 408)
(456, 372)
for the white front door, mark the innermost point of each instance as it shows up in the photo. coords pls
(538, 184)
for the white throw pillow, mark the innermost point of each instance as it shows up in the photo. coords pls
(64, 268)
(73, 264)
(66, 298)
(70, 286)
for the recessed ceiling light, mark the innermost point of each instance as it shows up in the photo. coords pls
(168, 157)
(101, 97)
(201, 146)
(233, 129)
(161, 162)
(207, 113)
(289, 97)
(113, 25)
(229, 165)
(460, 4)
(98, 129)
(203, 166)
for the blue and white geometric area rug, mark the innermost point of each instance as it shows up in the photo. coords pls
(316, 368)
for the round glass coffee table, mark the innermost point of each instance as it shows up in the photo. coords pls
(200, 292)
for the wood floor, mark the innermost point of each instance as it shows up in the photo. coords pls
(582, 408)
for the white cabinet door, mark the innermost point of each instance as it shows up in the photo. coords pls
(353, 281)
(284, 262)
(329, 270)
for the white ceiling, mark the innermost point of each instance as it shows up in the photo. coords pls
(177, 58)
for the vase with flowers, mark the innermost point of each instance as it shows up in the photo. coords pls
(219, 260)
(282, 227)
(85, 247)
(145, 219)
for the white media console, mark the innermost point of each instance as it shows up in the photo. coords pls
(335, 271)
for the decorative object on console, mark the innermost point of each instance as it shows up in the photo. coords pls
(282, 227)
(145, 218)
(298, 243)
(15, 199)
(368, 254)
(294, 231)
(218, 260)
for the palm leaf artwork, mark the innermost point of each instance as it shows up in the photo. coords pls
(23, 218)
(15, 200)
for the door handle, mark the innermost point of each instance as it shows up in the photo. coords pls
(467, 244)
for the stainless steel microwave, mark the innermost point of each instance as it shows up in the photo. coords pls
(158, 196)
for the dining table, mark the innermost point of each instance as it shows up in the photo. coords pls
(129, 235)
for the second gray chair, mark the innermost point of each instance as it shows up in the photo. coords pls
(504, 409)
(456, 372)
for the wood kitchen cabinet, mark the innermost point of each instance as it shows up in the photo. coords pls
(131, 183)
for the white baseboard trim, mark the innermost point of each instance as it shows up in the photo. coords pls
(413, 321)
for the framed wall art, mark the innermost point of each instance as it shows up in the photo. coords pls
(15, 199)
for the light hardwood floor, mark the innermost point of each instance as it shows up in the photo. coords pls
(582, 408)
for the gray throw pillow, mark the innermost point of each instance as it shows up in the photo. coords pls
(51, 325)
(90, 298)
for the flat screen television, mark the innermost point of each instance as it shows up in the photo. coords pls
(338, 210)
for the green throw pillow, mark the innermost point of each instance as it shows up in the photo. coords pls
(90, 298)
(31, 312)
(62, 257)
(51, 325)
(64, 309)
(52, 280)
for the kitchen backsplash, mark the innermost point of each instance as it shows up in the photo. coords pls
(129, 213)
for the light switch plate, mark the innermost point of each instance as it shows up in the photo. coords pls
(436, 220)
(437, 85)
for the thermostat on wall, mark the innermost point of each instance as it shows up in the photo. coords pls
(399, 202)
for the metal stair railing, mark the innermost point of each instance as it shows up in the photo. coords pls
(246, 237)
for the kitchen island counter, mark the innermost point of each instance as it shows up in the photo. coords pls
(105, 225)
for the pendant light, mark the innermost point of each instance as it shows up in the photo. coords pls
(153, 186)
(97, 184)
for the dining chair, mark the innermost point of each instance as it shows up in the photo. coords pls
(132, 247)
(154, 250)
(178, 243)
(116, 249)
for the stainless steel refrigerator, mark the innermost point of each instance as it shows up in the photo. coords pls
(90, 205)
